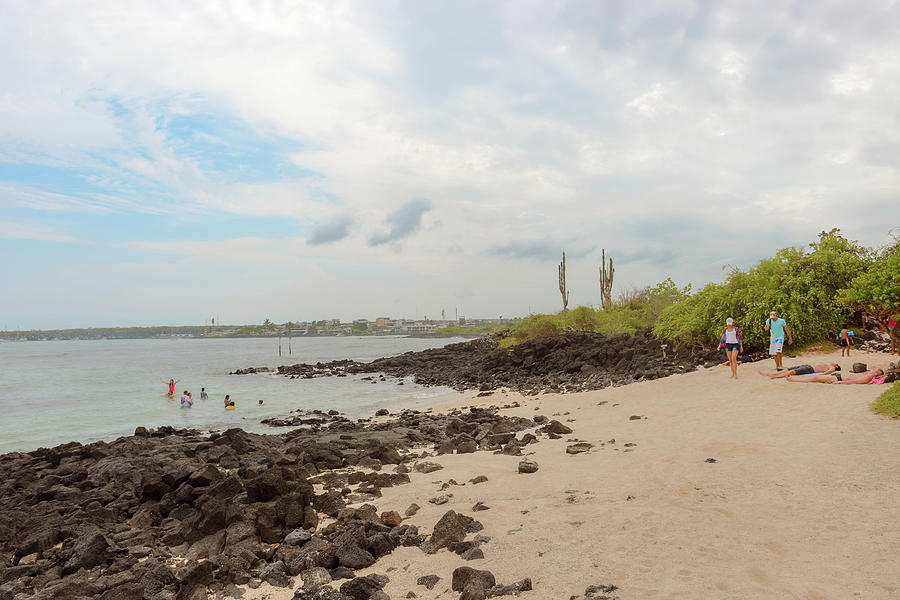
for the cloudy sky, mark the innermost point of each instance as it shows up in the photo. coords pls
(162, 162)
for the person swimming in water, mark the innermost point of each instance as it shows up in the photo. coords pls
(171, 384)
(186, 401)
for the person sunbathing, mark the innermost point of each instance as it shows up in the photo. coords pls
(838, 378)
(821, 369)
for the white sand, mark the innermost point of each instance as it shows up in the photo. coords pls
(801, 503)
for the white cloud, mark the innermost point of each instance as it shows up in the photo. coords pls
(592, 124)
(11, 229)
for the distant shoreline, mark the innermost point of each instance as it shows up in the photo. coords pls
(27, 337)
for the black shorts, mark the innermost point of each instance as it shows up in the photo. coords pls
(845, 343)
(731, 347)
(837, 375)
(802, 370)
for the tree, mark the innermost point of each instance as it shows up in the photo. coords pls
(877, 291)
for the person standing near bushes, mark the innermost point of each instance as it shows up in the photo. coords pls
(732, 342)
(777, 328)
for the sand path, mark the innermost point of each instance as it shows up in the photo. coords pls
(800, 503)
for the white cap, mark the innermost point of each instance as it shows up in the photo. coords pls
(729, 321)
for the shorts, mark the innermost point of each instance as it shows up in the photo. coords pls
(775, 346)
(731, 347)
(837, 376)
(802, 370)
(844, 343)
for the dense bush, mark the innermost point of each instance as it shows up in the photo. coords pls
(804, 286)
(816, 290)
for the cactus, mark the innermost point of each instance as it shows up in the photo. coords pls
(562, 283)
(606, 280)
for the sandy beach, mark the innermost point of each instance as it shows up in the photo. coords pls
(799, 501)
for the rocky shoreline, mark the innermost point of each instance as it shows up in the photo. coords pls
(568, 362)
(171, 514)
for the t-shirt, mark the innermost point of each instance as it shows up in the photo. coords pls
(186, 402)
(776, 331)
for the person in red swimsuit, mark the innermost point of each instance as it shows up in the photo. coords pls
(171, 384)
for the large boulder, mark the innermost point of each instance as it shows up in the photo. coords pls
(363, 588)
(452, 527)
(88, 551)
(467, 579)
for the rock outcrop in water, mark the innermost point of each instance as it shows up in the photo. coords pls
(566, 362)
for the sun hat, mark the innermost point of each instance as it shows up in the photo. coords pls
(729, 321)
(772, 313)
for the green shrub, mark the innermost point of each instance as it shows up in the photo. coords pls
(634, 310)
(888, 403)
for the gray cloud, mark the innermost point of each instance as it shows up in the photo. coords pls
(537, 249)
(402, 222)
(658, 257)
(331, 231)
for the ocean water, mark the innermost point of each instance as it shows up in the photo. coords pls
(58, 391)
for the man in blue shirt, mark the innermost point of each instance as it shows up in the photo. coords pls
(777, 328)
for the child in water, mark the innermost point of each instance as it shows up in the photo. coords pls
(186, 401)
(230, 406)
(203, 394)
(227, 400)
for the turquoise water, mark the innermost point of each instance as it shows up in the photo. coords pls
(59, 391)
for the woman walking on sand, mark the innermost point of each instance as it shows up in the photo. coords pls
(733, 343)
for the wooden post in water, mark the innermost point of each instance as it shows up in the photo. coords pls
(279, 343)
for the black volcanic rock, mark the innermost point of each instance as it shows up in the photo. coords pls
(570, 361)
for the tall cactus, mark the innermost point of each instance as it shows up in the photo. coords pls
(562, 283)
(606, 280)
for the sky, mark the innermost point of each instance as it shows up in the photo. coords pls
(165, 162)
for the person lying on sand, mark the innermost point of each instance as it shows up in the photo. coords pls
(838, 378)
(822, 369)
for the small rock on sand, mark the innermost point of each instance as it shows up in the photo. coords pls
(426, 467)
(579, 448)
(528, 466)
(429, 581)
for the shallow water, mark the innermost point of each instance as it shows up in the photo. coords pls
(58, 391)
